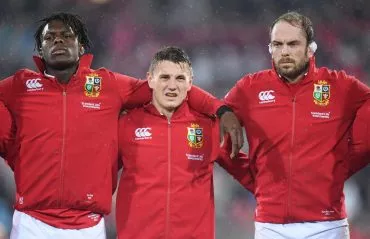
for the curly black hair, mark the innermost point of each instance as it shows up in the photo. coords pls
(74, 21)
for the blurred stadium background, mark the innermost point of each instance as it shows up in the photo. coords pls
(225, 40)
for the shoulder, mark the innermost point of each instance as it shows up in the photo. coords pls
(123, 77)
(335, 75)
(363, 112)
(256, 77)
(204, 118)
(26, 73)
(132, 114)
(102, 72)
(24, 76)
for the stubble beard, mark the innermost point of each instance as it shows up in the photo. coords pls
(292, 73)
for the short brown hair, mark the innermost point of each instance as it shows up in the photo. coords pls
(297, 19)
(170, 53)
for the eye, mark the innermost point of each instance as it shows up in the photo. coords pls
(276, 44)
(164, 77)
(47, 37)
(180, 78)
(68, 35)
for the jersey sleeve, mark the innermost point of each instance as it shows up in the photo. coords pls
(358, 91)
(359, 141)
(235, 98)
(133, 92)
(118, 165)
(240, 168)
(121, 137)
(5, 131)
(202, 101)
(6, 126)
(6, 89)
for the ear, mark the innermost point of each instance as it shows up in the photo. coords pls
(82, 50)
(312, 47)
(39, 51)
(149, 77)
(270, 48)
(190, 83)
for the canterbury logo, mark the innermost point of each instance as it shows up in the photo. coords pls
(143, 133)
(33, 84)
(266, 96)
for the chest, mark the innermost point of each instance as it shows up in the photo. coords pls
(87, 99)
(310, 109)
(183, 146)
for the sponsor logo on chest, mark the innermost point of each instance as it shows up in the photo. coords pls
(143, 133)
(93, 85)
(321, 93)
(92, 89)
(34, 85)
(195, 136)
(266, 96)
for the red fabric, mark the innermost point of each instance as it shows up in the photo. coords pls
(202, 101)
(299, 149)
(166, 184)
(65, 145)
(239, 167)
(65, 149)
(5, 129)
(360, 140)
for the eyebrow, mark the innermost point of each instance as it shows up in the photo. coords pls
(62, 31)
(289, 42)
(168, 75)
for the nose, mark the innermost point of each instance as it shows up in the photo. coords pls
(58, 39)
(172, 84)
(285, 50)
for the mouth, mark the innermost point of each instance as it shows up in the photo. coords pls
(287, 61)
(172, 95)
(59, 51)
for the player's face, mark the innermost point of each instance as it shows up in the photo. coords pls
(170, 83)
(290, 52)
(60, 48)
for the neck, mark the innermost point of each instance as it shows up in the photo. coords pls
(166, 113)
(163, 111)
(299, 77)
(295, 80)
(63, 76)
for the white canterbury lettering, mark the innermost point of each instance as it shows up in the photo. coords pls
(266, 96)
(34, 85)
(143, 133)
